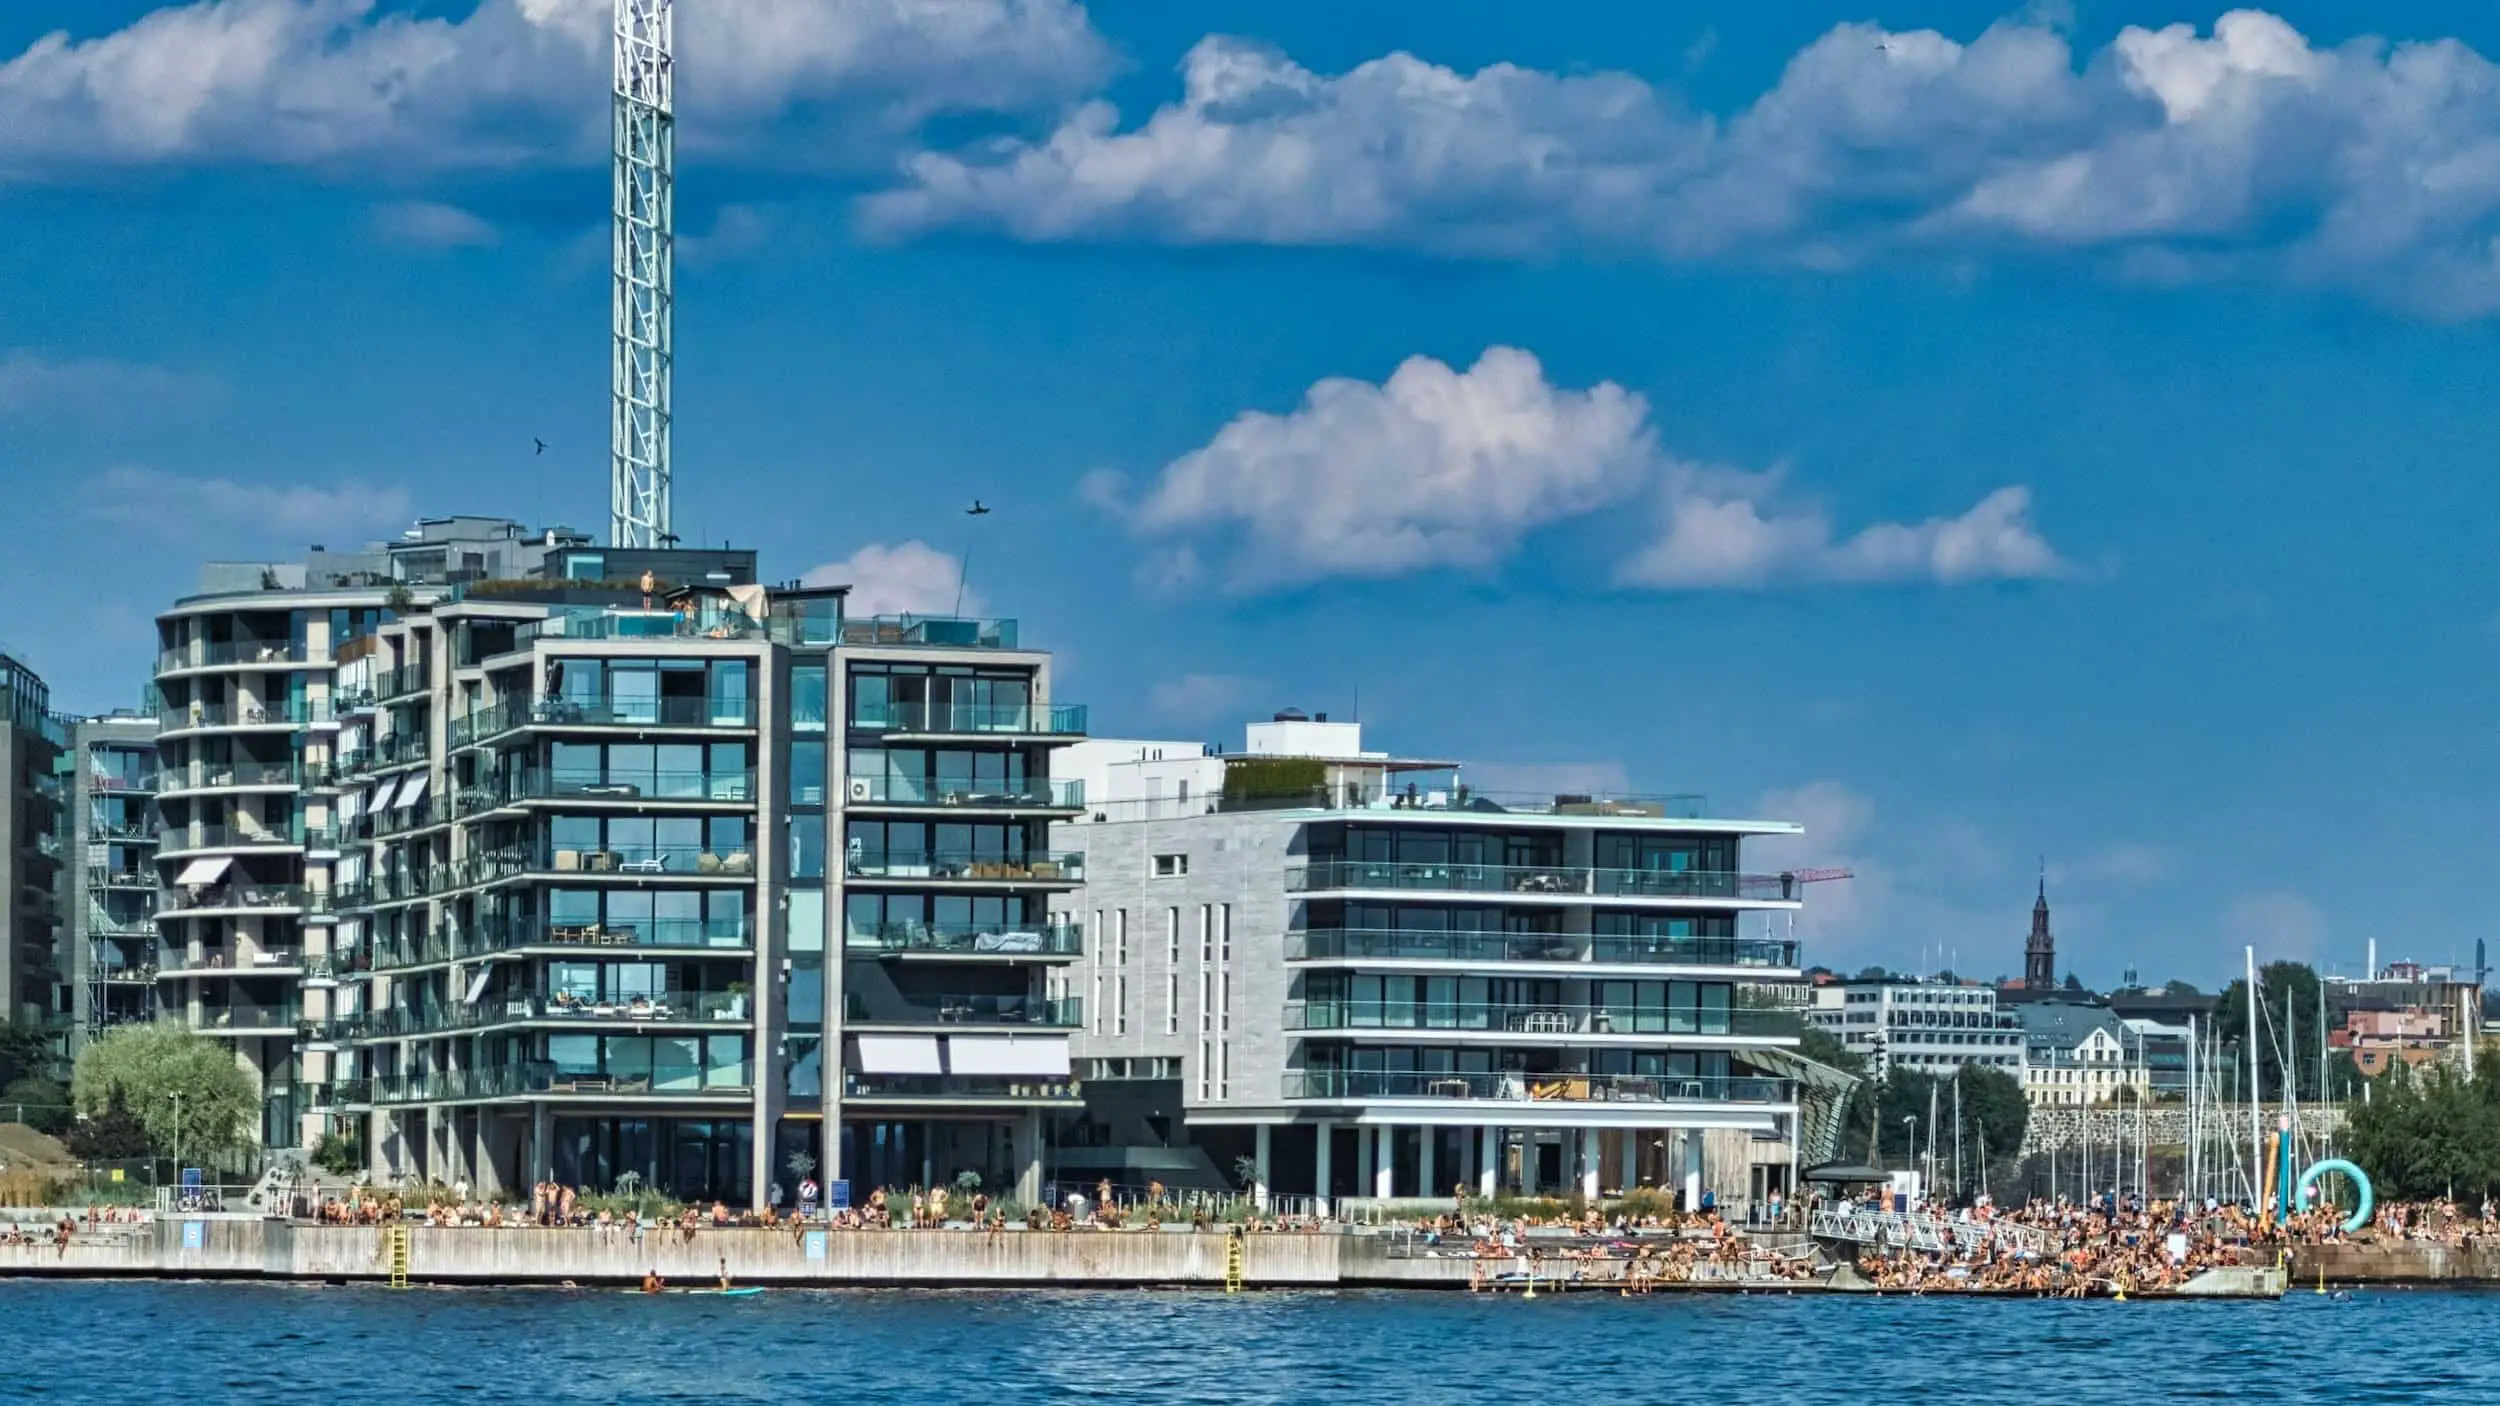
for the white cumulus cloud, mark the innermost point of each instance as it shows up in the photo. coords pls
(902, 578)
(1442, 468)
(431, 224)
(387, 96)
(176, 505)
(35, 383)
(2244, 149)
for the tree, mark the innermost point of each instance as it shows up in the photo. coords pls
(40, 1103)
(24, 1051)
(2288, 993)
(110, 1135)
(185, 1089)
(2426, 1134)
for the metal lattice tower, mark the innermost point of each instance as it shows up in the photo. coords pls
(643, 285)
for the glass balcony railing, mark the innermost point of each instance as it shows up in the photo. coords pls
(498, 1008)
(282, 897)
(203, 655)
(627, 860)
(539, 1078)
(1379, 944)
(183, 716)
(444, 945)
(204, 960)
(929, 632)
(967, 939)
(1551, 1087)
(618, 784)
(238, 1017)
(214, 776)
(1014, 719)
(959, 1088)
(143, 880)
(1321, 875)
(177, 838)
(1065, 867)
(1037, 794)
(1544, 1018)
(402, 682)
(1050, 1012)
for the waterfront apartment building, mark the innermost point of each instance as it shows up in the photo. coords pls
(1925, 1027)
(248, 753)
(33, 972)
(651, 875)
(1331, 972)
(2079, 1053)
(109, 878)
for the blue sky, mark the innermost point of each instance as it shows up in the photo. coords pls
(1979, 433)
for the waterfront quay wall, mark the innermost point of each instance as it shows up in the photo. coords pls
(256, 1249)
(2400, 1262)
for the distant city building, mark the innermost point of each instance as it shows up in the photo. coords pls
(1926, 1027)
(2404, 1012)
(34, 971)
(109, 881)
(2077, 1053)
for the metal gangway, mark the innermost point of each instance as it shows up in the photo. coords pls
(1901, 1230)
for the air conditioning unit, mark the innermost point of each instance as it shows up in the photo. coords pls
(860, 788)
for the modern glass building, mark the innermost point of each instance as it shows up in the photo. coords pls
(34, 970)
(110, 878)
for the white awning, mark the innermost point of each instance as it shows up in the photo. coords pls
(410, 793)
(1007, 1054)
(382, 795)
(349, 804)
(203, 871)
(477, 985)
(899, 1054)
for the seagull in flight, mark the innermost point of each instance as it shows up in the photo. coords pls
(542, 444)
(978, 509)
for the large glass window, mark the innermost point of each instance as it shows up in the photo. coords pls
(807, 846)
(807, 773)
(807, 697)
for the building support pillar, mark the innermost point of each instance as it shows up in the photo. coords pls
(1488, 1162)
(1692, 1169)
(1628, 1159)
(1364, 1141)
(1527, 1162)
(1028, 1157)
(542, 1162)
(1262, 1148)
(1589, 1160)
(1320, 1168)
(1384, 1163)
(1425, 1172)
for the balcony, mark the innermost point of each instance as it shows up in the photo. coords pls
(670, 934)
(556, 1008)
(1567, 1088)
(268, 654)
(127, 880)
(1048, 868)
(228, 776)
(193, 717)
(250, 1018)
(1543, 882)
(694, 788)
(1545, 1020)
(260, 898)
(933, 719)
(649, 862)
(1033, 1012)
(539, 1079)
(1040, 794)
(966, 940)
(404, 682)
(1356, 945)
(960, 1088)
(263, 961)
(183, 839)
(927, 632)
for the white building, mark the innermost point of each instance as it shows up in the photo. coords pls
(1927, 1027)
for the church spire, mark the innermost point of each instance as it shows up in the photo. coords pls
(2040, 949)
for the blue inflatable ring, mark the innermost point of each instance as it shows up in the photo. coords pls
(2361, 1215)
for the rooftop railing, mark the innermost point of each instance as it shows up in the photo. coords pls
(929, 631)
(1540, 879)
(1524, 1087)
(1542, 1018)
(1379, 944)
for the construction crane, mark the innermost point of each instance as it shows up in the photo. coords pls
(643, 283)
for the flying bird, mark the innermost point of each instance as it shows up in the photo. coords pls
(542, 444)
(978, 509)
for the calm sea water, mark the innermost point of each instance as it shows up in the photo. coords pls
(210, 1343)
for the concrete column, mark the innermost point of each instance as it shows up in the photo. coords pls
(1364, 1140)
(1692, 1169)
(928, 1154)
(542, 1160)
(1029, 1157)
(1320, 1166)
(1385, 1166)
(1527, 1162)
(1589, 1159)
(1488, 1162)
(1261, 1149)
(1424, 1170)
(1628, 1158)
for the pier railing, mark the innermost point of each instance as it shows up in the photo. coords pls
(1929, 1234)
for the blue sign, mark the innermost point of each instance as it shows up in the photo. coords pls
(195, 1235)
(838, 1195)
(815, 1244)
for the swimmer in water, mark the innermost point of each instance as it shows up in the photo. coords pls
(651, 1282)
